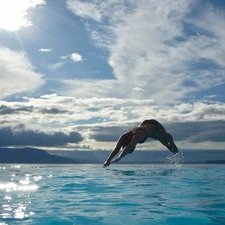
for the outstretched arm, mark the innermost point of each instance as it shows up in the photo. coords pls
(112, 155)
(130, 147)
(115, 151)
(125, 151)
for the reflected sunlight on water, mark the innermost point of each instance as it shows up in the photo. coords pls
(16, 189)
(23, 186)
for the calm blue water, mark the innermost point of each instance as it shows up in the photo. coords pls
(120, 194)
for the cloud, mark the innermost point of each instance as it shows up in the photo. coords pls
(57, 66)
(53, 111)
(163, 49)
(137, 89)
(103, 120)
(105, 134)
(193, 132)
(98, 11)
(45, 50)
(116, 111)
(84, 9)
(17, 73)
(20, 136)
(6, 110)
(76, 57)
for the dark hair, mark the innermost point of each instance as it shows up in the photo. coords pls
(127, 139)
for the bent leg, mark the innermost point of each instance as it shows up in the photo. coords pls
(165, 138)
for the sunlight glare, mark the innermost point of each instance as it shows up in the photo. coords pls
(13, 13)
(10, 186)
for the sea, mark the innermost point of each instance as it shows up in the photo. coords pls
(84, 194)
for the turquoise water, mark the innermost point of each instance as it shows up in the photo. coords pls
(120, 194)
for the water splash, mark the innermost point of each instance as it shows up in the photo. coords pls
(177, 159)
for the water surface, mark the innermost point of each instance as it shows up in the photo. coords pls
(120, 194)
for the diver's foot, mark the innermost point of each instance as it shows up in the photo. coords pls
(174, 151)
(173, 148)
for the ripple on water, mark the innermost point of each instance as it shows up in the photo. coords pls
(165, 194)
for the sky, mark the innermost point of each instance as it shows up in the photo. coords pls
(76, 74)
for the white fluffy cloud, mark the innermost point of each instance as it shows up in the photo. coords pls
(158, 47)
(48, 109)
(45, 50)
(76, 57)
(17, 73)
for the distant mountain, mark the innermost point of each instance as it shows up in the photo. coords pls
(215, 162)
(30, 155)
(185, 156)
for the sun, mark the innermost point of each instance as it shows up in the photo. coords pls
(13, 13)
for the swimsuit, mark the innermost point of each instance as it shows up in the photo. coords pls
(145, 138)
(146, 135)
(155, 123)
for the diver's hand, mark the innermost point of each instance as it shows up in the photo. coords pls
(106, 163)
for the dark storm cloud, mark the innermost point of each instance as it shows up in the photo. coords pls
(107, 134)
(52, 111)
(190, 131)
(4, 110)
(198, 131)
(19, 136)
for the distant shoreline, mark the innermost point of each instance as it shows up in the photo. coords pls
(151, 157)
(115, 164)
